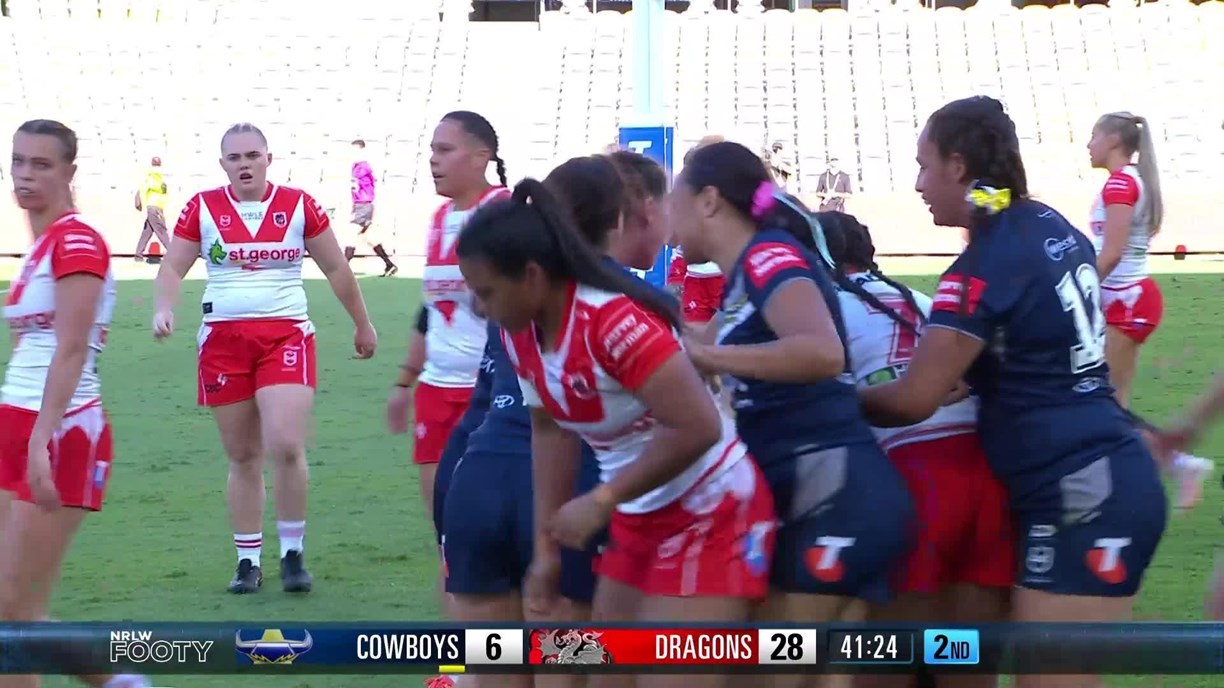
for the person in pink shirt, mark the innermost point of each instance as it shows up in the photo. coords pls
(362, 184)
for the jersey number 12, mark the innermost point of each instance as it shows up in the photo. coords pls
(1080, 293)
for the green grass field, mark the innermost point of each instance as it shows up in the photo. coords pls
(161, 549)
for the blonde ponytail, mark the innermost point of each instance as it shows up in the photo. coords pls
(1150, 175)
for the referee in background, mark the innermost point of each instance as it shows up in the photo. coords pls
(151, 197)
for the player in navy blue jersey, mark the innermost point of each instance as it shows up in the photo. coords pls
(843, 507)
(1018, 315)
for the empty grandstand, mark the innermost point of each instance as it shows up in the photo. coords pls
(139, 78)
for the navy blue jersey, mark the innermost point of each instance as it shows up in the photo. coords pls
(1027, 286)
(506, 426)
(775, 414)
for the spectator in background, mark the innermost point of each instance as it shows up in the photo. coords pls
(151, 198)
(833, 188)
(782, 164)
(363, 210)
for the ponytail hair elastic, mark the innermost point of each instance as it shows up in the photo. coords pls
(764, 200)
(988, 198)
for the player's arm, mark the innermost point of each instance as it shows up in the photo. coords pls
(963, 313)
(79, 267)
(808, 347)
(325, 250)
(556, 455)
(414, 364)
(139, 204)
(1120, 195)
(181, 254)
(654, 368)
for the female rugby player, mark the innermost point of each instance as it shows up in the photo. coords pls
(961, 564)
(55, 438)
(1018, 315)
(842, 506)
(256, 345)
(598, 359)
(1125, 216)
(489, 510)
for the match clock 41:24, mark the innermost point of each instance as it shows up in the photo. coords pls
(869, 646)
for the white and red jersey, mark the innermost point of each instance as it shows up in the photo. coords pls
(609, 347)
(1124, 187)
(681, 268)
(880, 350)
(455, 337)
(254, 251)
(69, 246)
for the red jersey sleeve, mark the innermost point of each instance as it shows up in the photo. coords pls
(630, 342)
(188, 225)
(677, 270)
(317, 221)
(1120, 189)
(80, 249)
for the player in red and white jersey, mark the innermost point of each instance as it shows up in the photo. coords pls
(599, 359)
(256, 345)
(1126, 214)
(701, 284)
(960, 567)
(55, 438)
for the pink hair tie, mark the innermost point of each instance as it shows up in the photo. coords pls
(764, 200)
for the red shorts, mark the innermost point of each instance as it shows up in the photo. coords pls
(716, 541)
(240, 356)
(81, 454)
(438, 410)
(702, 297)
(964, 529)
(1135, 309)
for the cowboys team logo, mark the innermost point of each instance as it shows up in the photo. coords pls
(272, 647)
(573, 646)
(280, 219)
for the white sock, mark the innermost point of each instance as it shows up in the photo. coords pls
(249, 545)
(291, 533)
(126, 681)
(1182, 461)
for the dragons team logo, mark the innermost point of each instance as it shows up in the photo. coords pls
(272, 647)
(572, 646)
(216, 253)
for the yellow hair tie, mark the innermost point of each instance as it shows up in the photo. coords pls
(990, 199)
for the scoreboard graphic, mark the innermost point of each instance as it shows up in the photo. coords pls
(306, 648)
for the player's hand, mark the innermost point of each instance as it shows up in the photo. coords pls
(38, 474)
(542, 584)
(163, 324)
(365, 340)
(576, 522)
(700, 354)
(399, 407)
(1172, 439)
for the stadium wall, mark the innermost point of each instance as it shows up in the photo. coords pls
(857, 86)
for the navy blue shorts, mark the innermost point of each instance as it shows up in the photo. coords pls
(1094, 532)
(845, 519)
(487, 537)
(456, 445)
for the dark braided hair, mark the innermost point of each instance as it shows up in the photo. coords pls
(850, 244)
(479, 127)
(533, 227)
(980, 131)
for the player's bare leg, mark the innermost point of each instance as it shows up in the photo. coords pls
(426, 479)
(972, 605)
(1036, 606)
(285, 412)
(507, 607)
(731, 610)
(32, 551)
(803, 609)
(238, 424)
(615, 601)
(563, 612)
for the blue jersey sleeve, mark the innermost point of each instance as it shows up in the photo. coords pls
(769, 264)
(981, 288)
